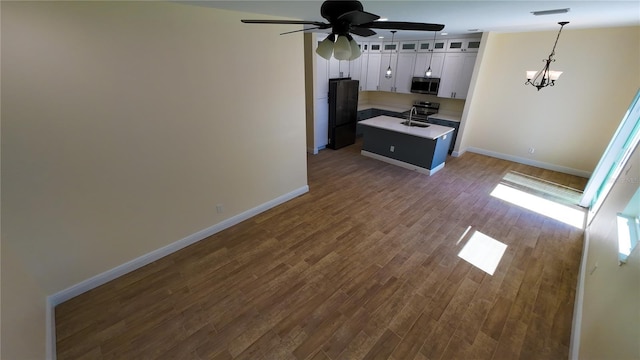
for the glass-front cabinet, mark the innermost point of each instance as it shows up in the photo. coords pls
(432, 46)
(463, 45)
(408, 46)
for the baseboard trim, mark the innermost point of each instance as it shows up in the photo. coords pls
(100, 279)
(458, 153)
(540, 164)
(314, 151)
(402, 163)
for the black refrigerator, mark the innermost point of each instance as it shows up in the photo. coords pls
(343, 112)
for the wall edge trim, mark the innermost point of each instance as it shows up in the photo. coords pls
(576, 325)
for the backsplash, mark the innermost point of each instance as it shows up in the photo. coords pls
(447, 106)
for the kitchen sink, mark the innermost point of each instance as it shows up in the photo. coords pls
(415, 123)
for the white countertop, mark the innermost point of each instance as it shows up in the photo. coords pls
(440, 116)
(366, 106)
(394, 124)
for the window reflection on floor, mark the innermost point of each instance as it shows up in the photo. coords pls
(566, 214)
(483, 252)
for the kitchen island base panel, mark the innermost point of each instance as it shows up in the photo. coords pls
(423, 152)
(402, 163)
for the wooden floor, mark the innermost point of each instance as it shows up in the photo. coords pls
(364, 266)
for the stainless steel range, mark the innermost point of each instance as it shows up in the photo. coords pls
(424, 109)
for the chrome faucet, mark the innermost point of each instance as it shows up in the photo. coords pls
(413, 111)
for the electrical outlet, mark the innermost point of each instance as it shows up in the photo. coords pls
(219, 208)
(392, 148)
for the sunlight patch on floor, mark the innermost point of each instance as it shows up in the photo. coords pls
(483, 252)
(566, 214)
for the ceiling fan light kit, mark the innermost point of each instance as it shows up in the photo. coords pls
(342, 48)
(355, 48)
(325, 48)
(346, 17)
(546, 77)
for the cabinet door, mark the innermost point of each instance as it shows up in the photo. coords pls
(321, 123)
(456, 75)
(408, 46)
(373, 71)
(321, 78)
(463, 45)
(354, 68)
(390, 47)
(425, 46)
(334, 68)
(422, 63)
(375, 47)
(364, 63)
(473, 45)
(404, 72)
(440, 46)
(432, 45)
(387, 84)
(464, 80)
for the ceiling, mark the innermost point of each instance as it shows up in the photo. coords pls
(459, 17)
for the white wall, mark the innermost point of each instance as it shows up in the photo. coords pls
(125, 123)
(23, 311)
(570, 124)
(610, 318)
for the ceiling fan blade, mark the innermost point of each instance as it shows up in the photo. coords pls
(321, 25)
(364, 32)
(294, 31)
(401, 25)
(357, 17)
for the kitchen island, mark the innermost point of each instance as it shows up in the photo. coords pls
(422, 148)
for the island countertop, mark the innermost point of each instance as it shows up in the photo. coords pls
(394, 124)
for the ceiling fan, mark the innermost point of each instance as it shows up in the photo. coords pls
(346, 18)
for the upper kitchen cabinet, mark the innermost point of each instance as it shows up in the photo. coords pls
(432, 46)
(390, 47)
(424, 60)
(404, 72)
(385, 83)
(408, 46)
(463, 45)
(375, 47)
(372, 76)
(355, 68)
(456, 75)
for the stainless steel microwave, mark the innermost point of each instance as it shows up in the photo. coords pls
(425, 85)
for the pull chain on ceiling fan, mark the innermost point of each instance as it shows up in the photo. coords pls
(346, 18)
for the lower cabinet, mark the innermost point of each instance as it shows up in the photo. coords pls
(448, 123)
(371, 113)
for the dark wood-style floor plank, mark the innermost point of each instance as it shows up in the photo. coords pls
(364, 266)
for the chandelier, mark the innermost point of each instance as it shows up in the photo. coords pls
(546, 77)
